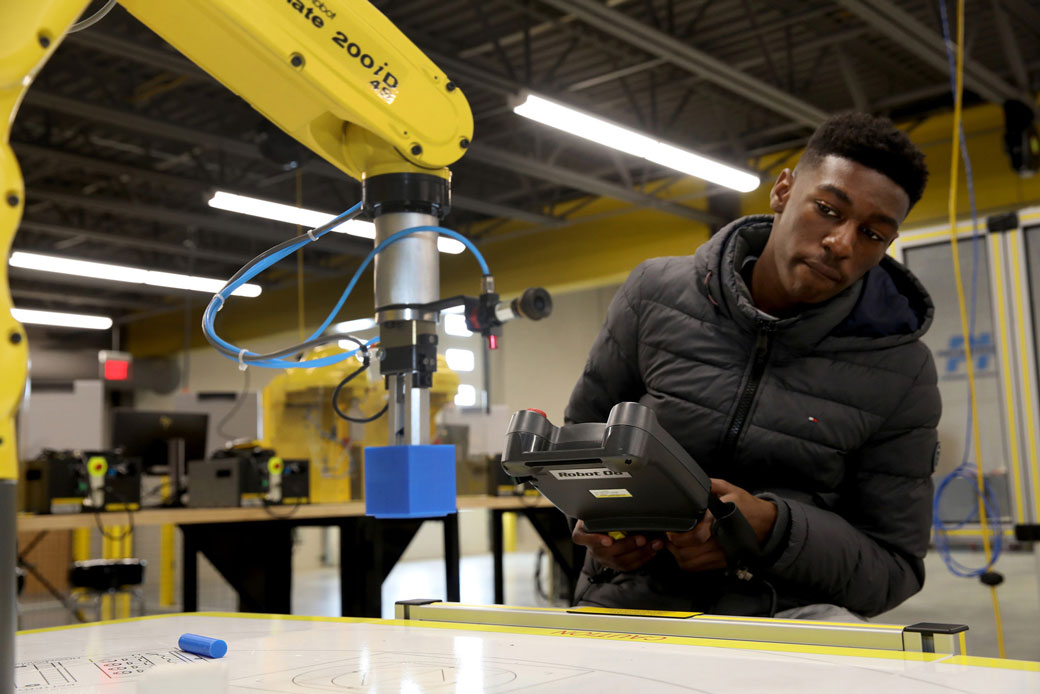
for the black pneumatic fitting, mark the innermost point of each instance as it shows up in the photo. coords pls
(534, 304)
(992, 578)
(406, 192)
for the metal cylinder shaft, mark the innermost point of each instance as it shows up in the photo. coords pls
(8, 585)
(409, 413)
(408, 272)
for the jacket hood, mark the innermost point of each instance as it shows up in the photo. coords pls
(888, 306)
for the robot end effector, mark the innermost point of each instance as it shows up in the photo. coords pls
(407, 291)
(408, 347)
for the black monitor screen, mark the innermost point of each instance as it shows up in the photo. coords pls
(147, 434)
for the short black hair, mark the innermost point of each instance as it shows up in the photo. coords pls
(873, 142)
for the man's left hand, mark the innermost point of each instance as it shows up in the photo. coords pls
(697, 550)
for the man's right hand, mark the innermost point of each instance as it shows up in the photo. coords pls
(627, 554)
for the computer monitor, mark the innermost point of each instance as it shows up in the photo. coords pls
(164, 441)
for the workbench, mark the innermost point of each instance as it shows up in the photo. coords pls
(590, 653)
(252, 547)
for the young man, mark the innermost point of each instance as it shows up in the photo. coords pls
(785, 356)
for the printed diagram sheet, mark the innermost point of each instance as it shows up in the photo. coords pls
(298, 656)
(65, 673)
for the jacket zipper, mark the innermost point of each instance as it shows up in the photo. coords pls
(763, 341)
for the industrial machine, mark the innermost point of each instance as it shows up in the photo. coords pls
(75, 481)
(165, 443)
(218, 483)
(344, 81)
(248, 476)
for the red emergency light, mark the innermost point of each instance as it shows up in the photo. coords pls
(117, 370)
(115, 366)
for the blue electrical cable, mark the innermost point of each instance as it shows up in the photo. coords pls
(966, 470)
(266, 261)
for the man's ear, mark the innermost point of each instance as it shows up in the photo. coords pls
(781, 191)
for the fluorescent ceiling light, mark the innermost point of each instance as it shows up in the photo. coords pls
(64, 320)
(309, 219)
(351, 346)
(631, 142)
(460, 359)
(354, 326)
(466, 396)
(122, 273)
(455, 324)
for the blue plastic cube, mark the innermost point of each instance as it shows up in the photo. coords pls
(409, 481)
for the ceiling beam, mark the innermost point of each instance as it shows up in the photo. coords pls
(913, 36)
(163, 247)
(219, 222)
(507, 87)
(78, 299)
(903, 98)
(468, 73)
(620, 73)
(115, 168)
(839, 37)
(142, 124)
(662, 45)
(132, 242)
(151, 126)
(159, 59)
(1026, 12)
(518, 36)
(1012, 53)
(137, 174)
(708, 35)
(574, 179)
(462, 202)
(494, 209)
(852, 81)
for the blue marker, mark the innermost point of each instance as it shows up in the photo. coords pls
(202, 645)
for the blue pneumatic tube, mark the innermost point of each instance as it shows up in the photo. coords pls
(202, 645)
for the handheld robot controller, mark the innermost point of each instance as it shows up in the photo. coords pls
(626, 475)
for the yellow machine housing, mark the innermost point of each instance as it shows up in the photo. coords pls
(337, 76)
(29, 34)
(299, 421)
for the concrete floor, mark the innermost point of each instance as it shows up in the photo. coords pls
(947, 598)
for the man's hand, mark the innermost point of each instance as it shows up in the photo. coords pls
(697, 550)
(621, 555)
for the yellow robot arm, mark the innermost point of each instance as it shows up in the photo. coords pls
(338, 76)
(29, 33)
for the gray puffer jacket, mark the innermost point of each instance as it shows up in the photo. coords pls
(831, 414)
